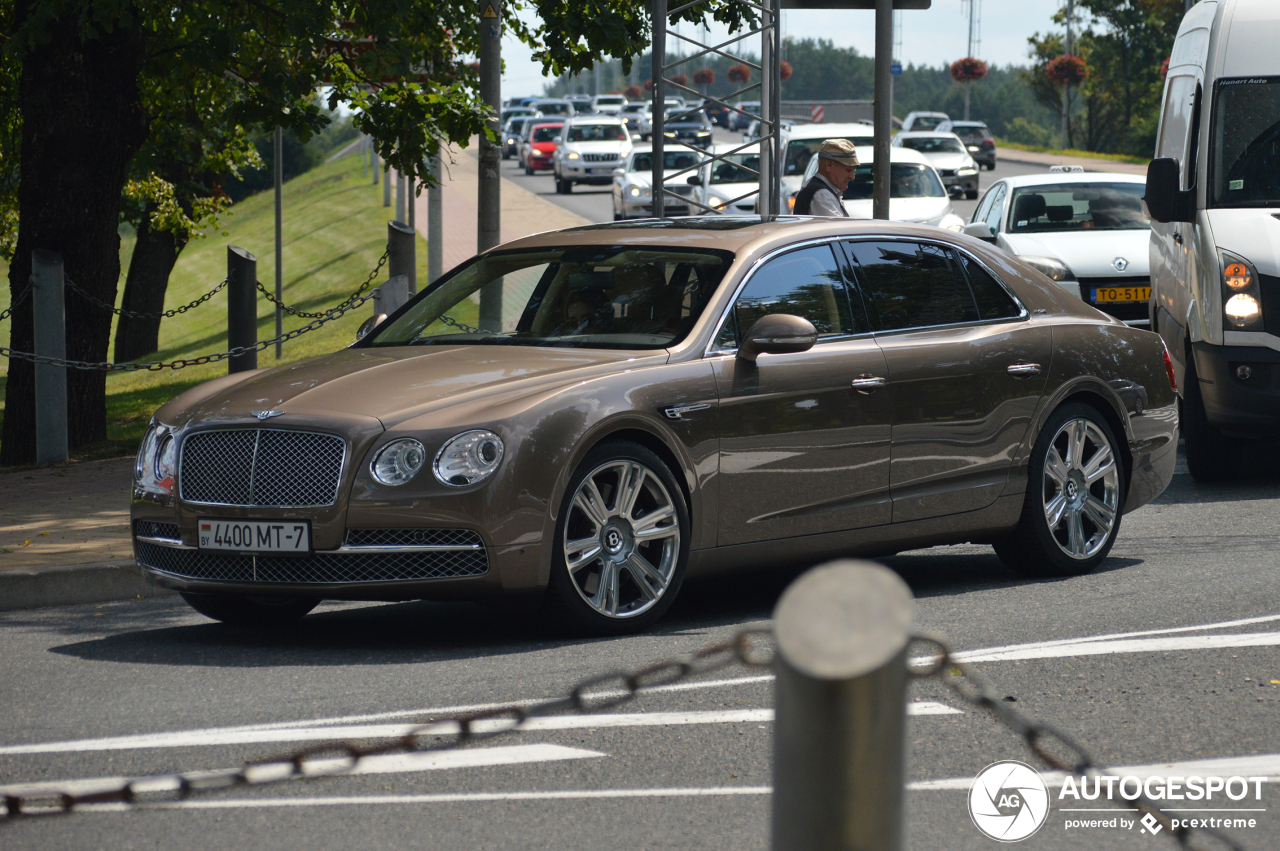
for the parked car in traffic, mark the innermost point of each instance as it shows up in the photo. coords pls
(636, 115)
(559, 107)
(977, 139)
(731, 186)
(739, 121)
(633, 184)
(1087, 231)
(641, 403)
(947, 153)
(538, 148)
(581, 103)
(588, 149)
(512, 132)
(688, 125)
(923, 121)
(513, 111)
(608, 104)
(753, 129)
(800, 142)
(716, 112)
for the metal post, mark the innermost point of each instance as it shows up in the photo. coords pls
(50, 330)
(840, 697)
(883, 117)
(489, 200)
(279, 240)
(770, 111)
(375, 161)
(389, 297)
(242, 308)
(435, 221)
(658, 129)
(1066, 89)
(386, 188)
(402, 209)
(402, 253)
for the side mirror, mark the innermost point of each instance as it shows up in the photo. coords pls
(617, 172)
(778, 334)
(1165, 201)
(981, 230)
(694, 180)
(367, 326)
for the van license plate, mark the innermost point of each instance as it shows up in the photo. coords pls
(256, 536)
(1113, 294)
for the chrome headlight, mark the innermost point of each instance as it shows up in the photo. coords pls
(1241, 298)
(1055, 269)
(398, 461)
(635, 191)
(166, 460)
(468, 458)
(715, 201)
(966, 170)
(145, 462)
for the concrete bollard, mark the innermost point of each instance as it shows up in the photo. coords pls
(50, 332)
(839, 736)
(242, 307)
(389, 297)
(402, 253)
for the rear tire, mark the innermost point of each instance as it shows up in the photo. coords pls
(970, 194)
(243, 610)
(1211, 457)
(1075, 491)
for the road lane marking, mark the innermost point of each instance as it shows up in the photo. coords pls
(1093, 647)
(205, 738)
(1266, 765)
(376, 764)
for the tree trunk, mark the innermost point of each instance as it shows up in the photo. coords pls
(82, 121)
(154, 255)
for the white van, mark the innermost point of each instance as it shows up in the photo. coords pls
(1213, 192)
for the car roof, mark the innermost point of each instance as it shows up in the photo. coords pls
(926, 134)
(867, 153)
(925, 114)
(1048, 178)
(967, 123)
(829, 131)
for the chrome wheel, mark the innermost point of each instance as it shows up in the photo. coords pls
(1081, 488)
(621, 539)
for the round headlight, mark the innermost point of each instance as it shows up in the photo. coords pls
(572, 155)
(146, 453)
(398, 461)
(166, 458)
(635, 191)
(1242, 309)
(468, 458)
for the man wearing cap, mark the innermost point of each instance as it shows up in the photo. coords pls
(823, 194)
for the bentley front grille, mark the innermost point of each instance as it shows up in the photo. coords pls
(267, 467)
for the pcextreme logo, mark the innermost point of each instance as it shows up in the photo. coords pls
(1008, 801)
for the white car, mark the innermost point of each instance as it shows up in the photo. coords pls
(923, 121)
(608, 104)
(731, 186)
(947, 153)
(801, 142)
(588, 149)
(1086, 231)
(636, 115)
(633, 183)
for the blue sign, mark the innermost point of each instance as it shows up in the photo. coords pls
(896, 69)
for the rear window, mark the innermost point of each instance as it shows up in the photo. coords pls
(970, 134)
(597, 133)
(546, 133)
(800, 151)
(935, 145)
(927, 122)
(1078, 207)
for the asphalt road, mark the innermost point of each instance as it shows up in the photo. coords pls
(595, 202)
(1194, 573)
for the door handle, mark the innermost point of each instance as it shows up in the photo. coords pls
(1023, 370)
(866, 384)
(1177, 237)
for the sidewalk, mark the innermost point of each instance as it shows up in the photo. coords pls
(1089, 164)
(64, 530)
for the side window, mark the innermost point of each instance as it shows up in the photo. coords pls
(803, 283)
(984, 206)
(997, 207)
(993, 301)
(1176, 122)
(911, 285)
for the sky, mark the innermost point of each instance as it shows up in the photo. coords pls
(929, 37)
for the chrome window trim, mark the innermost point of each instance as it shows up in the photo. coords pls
(182, 446)
(171, 543)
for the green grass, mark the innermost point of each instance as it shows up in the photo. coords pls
(1070, 152)
(335, 228)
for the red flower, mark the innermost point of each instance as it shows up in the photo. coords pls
(968, 69)
(680, 80)
(784, 69)
(704, 76)
(634, 93)
(1067, 70)
(739, 73)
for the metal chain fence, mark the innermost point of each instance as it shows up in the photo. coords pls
(303, 314)
(163, 314)
(8, 311)
(1055, 749)
(350, 303)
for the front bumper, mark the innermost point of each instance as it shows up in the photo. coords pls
(1240, 407)
(642, 208)
(594, 173)
(966, 182)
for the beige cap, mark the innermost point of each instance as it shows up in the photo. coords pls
(840, 150)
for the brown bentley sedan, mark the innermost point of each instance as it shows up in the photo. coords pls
(591, 415)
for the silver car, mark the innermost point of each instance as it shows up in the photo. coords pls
(588, 150)
(633, 184)
(947, 153)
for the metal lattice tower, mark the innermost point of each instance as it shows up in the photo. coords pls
(767, 72)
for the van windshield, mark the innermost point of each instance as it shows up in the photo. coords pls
(1246, 143)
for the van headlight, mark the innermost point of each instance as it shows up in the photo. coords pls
(1241, 298)
(398, 461)
(468, 458)
(1055, 269)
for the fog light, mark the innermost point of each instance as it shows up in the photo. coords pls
(1243, 372)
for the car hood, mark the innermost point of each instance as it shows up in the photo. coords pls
(602, 147)
(1088, 253)
(927, 211)
(544, 147)
(949, 160)
(395, 384)
(1253, 234)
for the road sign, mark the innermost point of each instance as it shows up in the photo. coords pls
(896, 69)
(816, 115)
(489, 12)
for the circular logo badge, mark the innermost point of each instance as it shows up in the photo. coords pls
(1008, 801)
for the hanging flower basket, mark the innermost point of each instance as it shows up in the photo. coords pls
(784, 69)
(680, 80)
(648, 85)
(968, 69)
(739, 73)
(704, 76)
(634, 93)
(1067, 70)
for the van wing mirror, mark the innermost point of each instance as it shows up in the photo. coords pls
(1166, 202)
(778, 334)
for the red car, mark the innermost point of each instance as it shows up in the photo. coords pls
(538, 148)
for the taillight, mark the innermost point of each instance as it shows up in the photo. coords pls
(988, 143)
(1168, 368)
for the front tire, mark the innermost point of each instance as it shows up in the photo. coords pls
(621, 544)
(243, 610)
(1210, 456)
(1075, 492)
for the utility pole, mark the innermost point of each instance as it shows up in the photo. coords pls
(975, 44)
(279, 156)
(883, 117)
(489, 232)
(1066, 89)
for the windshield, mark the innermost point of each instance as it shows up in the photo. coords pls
(1076, 207)
(800, 151)
(555, 108)
(934, 145)
(737, 168)
(927, 122)
(1246, 143)
(635, 107)
(610, 100)
(546, 132)
(906, 180)
(643, 162)
(597, 133)
(971, 133)
(604, 297)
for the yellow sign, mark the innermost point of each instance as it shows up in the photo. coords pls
(488, 12)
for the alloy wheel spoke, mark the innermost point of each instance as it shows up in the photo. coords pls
(1075, 444)
(647, 577)
(1102, 463)
(630, 482)
(588, 505)
(1100, 513)
(1054, 468)
(1075, 534)
(579, 553)
(1054, 508)
(604, 584)
(647, 526)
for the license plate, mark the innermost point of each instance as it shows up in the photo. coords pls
(256, 536)
(1113, 294)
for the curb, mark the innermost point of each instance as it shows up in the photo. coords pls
(74, 584)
